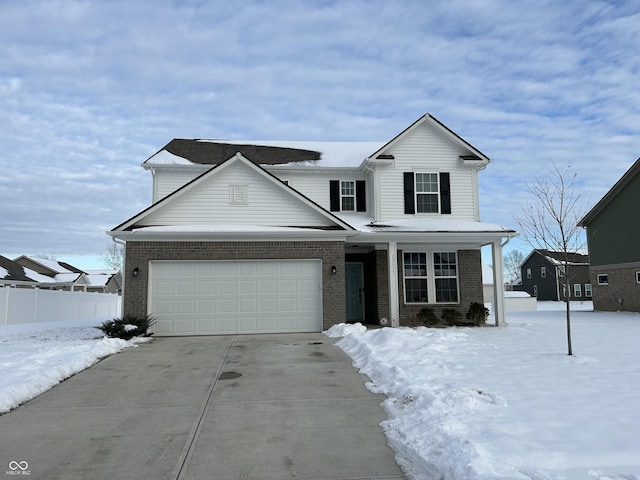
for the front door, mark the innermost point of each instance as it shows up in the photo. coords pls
(354, 292)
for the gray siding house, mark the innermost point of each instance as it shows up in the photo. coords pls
(613, 230)
(256, 237)
(543, 271)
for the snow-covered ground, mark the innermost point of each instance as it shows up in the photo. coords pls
(462, 403)
(509, 403)
(35, 357)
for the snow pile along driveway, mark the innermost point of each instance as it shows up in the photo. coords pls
(36, 357)
(508, 403)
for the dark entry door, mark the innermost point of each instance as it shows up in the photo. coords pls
(354, 292)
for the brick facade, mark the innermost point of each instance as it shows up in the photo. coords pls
(621, 294)
(139, 254)
(469, 283)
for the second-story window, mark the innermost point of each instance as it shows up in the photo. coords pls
(347, 196)
(426, 192)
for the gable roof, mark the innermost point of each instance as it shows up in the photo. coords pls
(130, 224)
(46, 266)
(442, 128)
(611, 194)
(10, 270)
(214, 152)
(557, 258)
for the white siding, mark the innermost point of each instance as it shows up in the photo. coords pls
(315, 185)
(165, 181)
(426, 150)
(210, 202)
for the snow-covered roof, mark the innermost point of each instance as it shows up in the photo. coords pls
(427, 225)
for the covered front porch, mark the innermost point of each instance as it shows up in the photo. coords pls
(389, 282)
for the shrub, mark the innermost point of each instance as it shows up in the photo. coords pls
(427, 317)
(477, 313)
(127, 327)
(451, 316)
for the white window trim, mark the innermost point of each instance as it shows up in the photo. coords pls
(528, 273)
(606, 282)
(588, 290)
(577, 290)
(416, 193)
(353, 183)
(543, 272)
(430, 278)
(637, 277)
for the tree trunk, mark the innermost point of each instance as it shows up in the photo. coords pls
(570, 350)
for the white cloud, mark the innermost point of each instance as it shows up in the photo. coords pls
(91, 89)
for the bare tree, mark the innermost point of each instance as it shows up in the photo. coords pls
(551, 222)
(113, 256)
(512, 261)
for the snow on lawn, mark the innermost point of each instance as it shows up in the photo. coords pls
(509, 403)
(35, 357)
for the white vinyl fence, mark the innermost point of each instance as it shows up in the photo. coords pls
(30, 305)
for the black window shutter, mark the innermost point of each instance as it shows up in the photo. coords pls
(361, 196)
(334, 195)
(445, 193)
(409, 202)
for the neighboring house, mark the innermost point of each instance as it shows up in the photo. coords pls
(13, 274)
(613, 229)
(53, 274)
(248, 237)
(542, 275)
(104, 281)
(34, 272)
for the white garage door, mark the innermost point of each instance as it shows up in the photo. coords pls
(227, 297)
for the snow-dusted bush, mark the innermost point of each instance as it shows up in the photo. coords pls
(477, 313)
(127, 327)
(428, 317)
(451, 316)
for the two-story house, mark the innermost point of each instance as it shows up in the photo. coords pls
(249, 237)
(543, 275)
(613, 228)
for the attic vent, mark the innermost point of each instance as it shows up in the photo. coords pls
(238, 195)
(385, 157)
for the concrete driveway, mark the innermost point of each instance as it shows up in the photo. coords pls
(227, 407)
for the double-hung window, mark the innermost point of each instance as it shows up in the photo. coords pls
(427, 193)
(431, 277)
(348, 196)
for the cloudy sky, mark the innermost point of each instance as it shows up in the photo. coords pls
(90, 89)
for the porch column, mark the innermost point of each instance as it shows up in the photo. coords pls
(394, 298)
(498, 284)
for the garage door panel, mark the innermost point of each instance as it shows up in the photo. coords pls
(206, 307)
(206, 287)
(228, 297)
(248, 305)
(185, 326)
(228, 287)
(163, 307)
(248, 287)
(206, 325)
